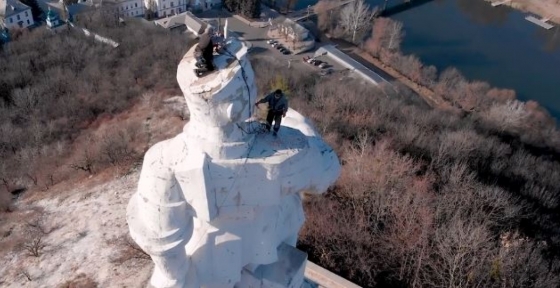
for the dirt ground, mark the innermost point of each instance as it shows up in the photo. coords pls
(544, 8)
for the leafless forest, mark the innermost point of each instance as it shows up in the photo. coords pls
(56, 89)
(427, 198)
(430, 198)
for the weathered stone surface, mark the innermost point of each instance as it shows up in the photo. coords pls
(216, 199)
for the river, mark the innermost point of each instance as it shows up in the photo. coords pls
(492, 44)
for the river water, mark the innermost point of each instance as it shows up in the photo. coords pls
(492, 44)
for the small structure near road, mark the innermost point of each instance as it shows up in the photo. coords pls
(353, 65)
(499, 2)
(53, 20)
(541, 22)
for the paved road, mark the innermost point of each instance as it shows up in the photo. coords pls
(258, 37)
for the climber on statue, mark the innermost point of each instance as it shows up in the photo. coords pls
(205, 48)
(277, 108)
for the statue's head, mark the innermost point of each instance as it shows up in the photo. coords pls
(224, 97)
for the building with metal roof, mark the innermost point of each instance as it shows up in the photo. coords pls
(352, 65)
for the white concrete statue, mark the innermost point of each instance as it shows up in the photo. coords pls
(218, 206)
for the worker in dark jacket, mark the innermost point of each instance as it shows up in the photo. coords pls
(277, 108)
(205, 48)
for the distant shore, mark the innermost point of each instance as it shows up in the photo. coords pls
(543, 8)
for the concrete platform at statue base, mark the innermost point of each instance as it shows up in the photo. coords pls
(319, 277)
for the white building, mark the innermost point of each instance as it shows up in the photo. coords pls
(127, 8)
(15, 14)
(164, 8)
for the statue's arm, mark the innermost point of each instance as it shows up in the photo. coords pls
(159, 218)
(162, 213)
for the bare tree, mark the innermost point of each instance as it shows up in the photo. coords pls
(387, 35)
(511, 115)
(289, 4)
(324, 11)
(85, 162)
(151, 9)
(395, 35)
(34, 246)
(355, 17)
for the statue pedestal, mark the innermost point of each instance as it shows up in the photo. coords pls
(287, 272)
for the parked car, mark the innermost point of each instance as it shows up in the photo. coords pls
(275, 44)
(324, 65)
(271, 41)
(312, 61)
(279, 47)
(325, 72)
(286, 52)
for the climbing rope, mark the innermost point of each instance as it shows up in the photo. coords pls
(244, 76)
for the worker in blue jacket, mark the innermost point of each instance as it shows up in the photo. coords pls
(277, 108)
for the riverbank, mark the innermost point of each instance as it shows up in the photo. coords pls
(426, 93)
(544, 8)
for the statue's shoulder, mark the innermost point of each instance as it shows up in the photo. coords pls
(167, 153)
